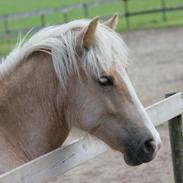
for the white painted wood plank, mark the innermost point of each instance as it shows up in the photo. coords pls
(166, 109)
(62, 159)
(56, 162)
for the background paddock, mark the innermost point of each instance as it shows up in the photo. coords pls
(19, 18)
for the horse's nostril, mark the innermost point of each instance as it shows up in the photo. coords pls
(149, 146)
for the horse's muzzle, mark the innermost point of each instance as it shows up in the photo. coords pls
(145, 153)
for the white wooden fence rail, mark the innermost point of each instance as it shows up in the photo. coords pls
(78, 150)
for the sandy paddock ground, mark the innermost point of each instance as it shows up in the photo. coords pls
(156, 68)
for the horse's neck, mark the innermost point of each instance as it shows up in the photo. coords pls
(29, 104)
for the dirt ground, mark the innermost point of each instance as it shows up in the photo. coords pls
(156, 68)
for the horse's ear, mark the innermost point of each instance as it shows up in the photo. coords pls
(112, 22)
(88, 33)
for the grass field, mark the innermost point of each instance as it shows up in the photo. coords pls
(136, 22)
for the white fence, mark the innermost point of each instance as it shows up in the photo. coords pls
(82, 148)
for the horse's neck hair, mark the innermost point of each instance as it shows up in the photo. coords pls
(31, 101)
(61, 41)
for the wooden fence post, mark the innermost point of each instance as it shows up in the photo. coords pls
(176, 141)
(6, 26)
(163, 5)
(126, 14)
(85, 8)
(42, 18)
(65, 16)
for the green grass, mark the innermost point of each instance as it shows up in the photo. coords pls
(16, 6)
(136, 22)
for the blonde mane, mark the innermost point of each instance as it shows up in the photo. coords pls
(61, 41)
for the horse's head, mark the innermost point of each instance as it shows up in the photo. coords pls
(102, 99)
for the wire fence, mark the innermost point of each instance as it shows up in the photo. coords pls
(84, 10)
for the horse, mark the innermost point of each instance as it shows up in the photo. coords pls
(71, 75)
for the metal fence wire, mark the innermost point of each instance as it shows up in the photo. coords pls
(85, 8)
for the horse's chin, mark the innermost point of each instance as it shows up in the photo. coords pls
(131, 161)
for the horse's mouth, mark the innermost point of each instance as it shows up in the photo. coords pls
(131, 160)
(135, 160)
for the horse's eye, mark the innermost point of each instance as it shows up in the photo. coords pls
(106, 80)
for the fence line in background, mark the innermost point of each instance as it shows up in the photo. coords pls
(62, 159)
(42, 14)
(162, 9)
(85, 7)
